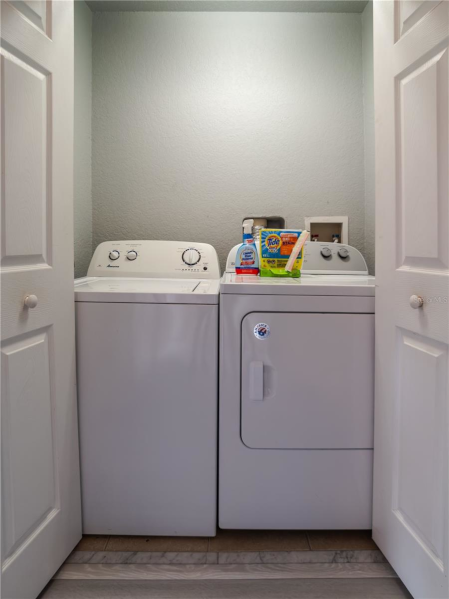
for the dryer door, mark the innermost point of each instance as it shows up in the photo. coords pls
(307, 381)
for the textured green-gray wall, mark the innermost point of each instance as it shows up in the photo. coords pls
(200, 119)
(83, 138)
(368, 112)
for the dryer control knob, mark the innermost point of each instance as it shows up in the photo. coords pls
(343, 253)
(131, 255)
(326, 252)
(191, 256)
(114, 255)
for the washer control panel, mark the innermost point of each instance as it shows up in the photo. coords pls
(162, 259)
(333, 259)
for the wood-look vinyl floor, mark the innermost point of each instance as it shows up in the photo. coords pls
(222, 572)
(233, 565)
(327, 588)
(237, 540)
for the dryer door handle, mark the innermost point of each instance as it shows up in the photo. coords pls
(256, 381)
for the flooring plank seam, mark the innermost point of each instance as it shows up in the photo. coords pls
(222, 572)
(226, 557)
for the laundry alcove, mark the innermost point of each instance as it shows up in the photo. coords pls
(190, 115)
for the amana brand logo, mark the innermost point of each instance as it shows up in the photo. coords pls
(261, 331)
(113, 266)
(273, 243)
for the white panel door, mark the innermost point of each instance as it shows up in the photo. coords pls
(40, 491)
(411, 498)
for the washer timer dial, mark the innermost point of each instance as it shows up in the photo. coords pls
(191, 257)
(114, 255)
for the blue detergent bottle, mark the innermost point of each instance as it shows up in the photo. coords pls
(247, 259)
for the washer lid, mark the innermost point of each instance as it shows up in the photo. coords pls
(146, 291)
(349, 285)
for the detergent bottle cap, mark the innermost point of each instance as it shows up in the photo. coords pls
(248, 225)
(248, 228)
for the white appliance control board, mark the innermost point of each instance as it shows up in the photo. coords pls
(332, 259)
(322, 259)
(161, 259)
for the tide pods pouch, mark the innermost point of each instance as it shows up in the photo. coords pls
(276, 245)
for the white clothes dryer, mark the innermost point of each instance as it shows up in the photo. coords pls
(296, 395)
(147, 361)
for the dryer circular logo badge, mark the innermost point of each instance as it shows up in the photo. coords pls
(261, 331)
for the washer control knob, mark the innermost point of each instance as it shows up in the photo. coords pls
(114, 255)
(131, 255)
(191, 256)
(343, 253)
(326, 252)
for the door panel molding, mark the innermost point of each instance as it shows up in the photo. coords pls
(421, 437)
(36, 12)
(30, 490)
(26, 139)
(409, 13)
(422, 164)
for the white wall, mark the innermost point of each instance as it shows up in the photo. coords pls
(200, 119)
(368, 100)
(83, 138)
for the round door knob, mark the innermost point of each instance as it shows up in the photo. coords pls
(191, 257)
(131, 255)
(114, 255)
(343, 253)
(326, 252)
(416, 301)
(30, 301)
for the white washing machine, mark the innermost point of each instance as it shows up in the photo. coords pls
(147, 361)
(296, 395)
